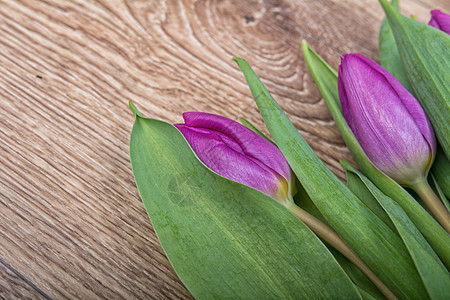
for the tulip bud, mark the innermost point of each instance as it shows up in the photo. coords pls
(387, 120)
(237, 153)
(440, 21)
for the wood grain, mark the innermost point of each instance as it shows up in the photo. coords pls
(23, 288)
(71, 220)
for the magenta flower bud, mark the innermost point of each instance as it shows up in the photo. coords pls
(237, 153)
(387, 120)
(440, 20)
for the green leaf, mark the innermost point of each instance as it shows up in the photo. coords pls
(425, 56)
(433, 273)
(438, 191)
(226, 240)
(303, 200)
(326, 80)
(359, 189)
(395, 4)
(382, 250)
(389, 56)
(358, 277)
(441, 171)
(365, 295)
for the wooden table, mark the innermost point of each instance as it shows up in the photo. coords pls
(72, 224)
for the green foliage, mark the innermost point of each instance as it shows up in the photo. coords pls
(434, 275)
(441, 172)
(389, 56)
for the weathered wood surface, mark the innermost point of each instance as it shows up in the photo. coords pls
(72, 224)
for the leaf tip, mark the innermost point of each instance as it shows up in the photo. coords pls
(387, 7)
(305, 48)
(240, 62)
(346, 165)
(134, 109)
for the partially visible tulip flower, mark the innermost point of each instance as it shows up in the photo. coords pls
(237, 153)
(440, 20)
(391, 127)
(387, 120)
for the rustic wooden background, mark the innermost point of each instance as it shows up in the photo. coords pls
(72, 224)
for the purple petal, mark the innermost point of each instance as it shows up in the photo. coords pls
(251, 143)
(440, 20)
(344, 100)
(388, 121)
(409, 102)
(433, 22)
(224, 156)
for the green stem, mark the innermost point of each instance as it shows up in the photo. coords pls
(437, 209)
(332, 237)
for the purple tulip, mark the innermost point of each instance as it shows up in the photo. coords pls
(440, 21)
(387, 120)
(237, 153)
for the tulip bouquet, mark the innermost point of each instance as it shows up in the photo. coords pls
(240, 215)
